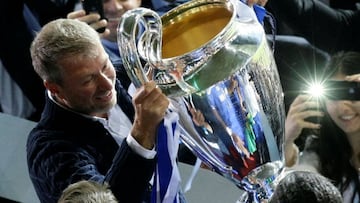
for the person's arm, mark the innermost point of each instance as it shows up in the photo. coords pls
(327, 28)
(54, 164)
(291, 154)
(129, 178)
(150, 108)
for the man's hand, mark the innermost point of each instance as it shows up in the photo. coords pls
(150, 108)
(92, 19)
(353, 78)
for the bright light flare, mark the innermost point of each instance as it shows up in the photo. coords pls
(316, 90)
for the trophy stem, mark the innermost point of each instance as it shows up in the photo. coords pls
(260, 183)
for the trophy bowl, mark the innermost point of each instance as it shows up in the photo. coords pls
(211, 58)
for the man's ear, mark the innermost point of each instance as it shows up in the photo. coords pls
(52, 87)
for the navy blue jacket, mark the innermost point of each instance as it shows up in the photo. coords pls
(65, 148)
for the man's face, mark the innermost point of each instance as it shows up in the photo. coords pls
(88, 84)
(113, 10)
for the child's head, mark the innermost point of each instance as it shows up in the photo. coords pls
(305, 186)
(87, 192)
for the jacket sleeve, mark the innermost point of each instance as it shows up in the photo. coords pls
(327, 28)
(53, 165)
(129, 177)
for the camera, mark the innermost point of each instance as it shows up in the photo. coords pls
(342, 90)
(94, 6)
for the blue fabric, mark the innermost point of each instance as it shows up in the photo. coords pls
(166, 184)
(260, 12)
(165, 167)
(163, 6)
(221, 102)
(31, 22)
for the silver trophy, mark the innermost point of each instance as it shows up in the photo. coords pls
(211, 58)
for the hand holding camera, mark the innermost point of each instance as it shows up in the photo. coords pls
(342, 90)
(93, 15)
(348, 89)
(301, 110)
(94, 6)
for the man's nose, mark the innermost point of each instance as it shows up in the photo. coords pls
(105, 82)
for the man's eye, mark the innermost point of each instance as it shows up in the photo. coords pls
(108, 66)
(87, 80)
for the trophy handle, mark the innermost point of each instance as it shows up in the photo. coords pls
(140, 34)
(133, 23)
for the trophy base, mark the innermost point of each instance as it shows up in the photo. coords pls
(260, 183)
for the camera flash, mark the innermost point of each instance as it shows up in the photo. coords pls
(316, 90)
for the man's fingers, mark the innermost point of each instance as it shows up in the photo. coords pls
(91, 18)
(99, 24)
(105, 33)
(144, 91)
(76, 14)
(355, 78)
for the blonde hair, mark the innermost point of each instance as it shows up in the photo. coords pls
(59, 40)
(87, 192)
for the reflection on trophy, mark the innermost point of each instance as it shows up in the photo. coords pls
(211, 58)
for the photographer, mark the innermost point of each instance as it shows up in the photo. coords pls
(335, 151)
